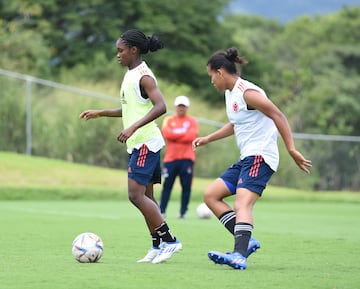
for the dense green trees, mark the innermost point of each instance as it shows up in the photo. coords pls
(75, 32)
(310, 68)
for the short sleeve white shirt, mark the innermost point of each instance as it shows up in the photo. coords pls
(255, 133)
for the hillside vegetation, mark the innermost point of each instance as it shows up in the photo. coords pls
(309, 67)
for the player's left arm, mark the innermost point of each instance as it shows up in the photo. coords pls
(159, 107)
(257, 101)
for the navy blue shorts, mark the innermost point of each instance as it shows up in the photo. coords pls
(144, 166)
(251, 173)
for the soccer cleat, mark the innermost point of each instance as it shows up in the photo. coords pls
(151, 254)
(252, 247)
(234, 260)
(167, 249)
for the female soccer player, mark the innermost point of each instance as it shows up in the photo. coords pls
(255, 121)
(141, 104)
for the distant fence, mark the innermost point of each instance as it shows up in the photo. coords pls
(30, 79)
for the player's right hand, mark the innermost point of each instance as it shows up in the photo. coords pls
(90, 113)
(198, 142)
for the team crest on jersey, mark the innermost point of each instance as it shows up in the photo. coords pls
(235, 107)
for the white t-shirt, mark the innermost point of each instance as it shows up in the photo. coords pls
(256, 134)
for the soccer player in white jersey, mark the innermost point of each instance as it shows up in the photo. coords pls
(141, 104)
(255, 121)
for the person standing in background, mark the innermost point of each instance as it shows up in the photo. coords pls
(179, 130)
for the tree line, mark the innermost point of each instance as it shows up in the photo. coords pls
(309, 67)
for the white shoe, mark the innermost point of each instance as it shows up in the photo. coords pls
(167, 249)
(151, 254)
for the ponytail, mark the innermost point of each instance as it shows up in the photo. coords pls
(227, 60)
(134, 37)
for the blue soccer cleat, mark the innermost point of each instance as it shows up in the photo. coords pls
(234, 260)
(252, 247)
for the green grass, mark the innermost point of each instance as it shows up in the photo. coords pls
(308, 239)
(304, 245)
(25, 177)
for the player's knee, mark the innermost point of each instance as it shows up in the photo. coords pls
(209, 196)
(243, 206)
(134, 198)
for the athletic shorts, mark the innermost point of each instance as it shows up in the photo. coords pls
(251, 173)
(144, 166)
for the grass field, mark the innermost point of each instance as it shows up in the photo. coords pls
(308, 239)
(304, 245)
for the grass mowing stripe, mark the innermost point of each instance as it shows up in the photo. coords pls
(62, 213)
(300, 247)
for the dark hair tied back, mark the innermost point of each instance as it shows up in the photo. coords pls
(232, 54)
(229, 60)
(154, 43)
(135, 37)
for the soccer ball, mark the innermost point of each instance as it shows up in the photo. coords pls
(203, 212)
(87, 248)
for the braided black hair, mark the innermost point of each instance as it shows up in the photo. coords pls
(135, 37)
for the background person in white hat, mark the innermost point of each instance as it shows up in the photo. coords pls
(179, 130)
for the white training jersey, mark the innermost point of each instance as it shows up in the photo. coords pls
(256, 134)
